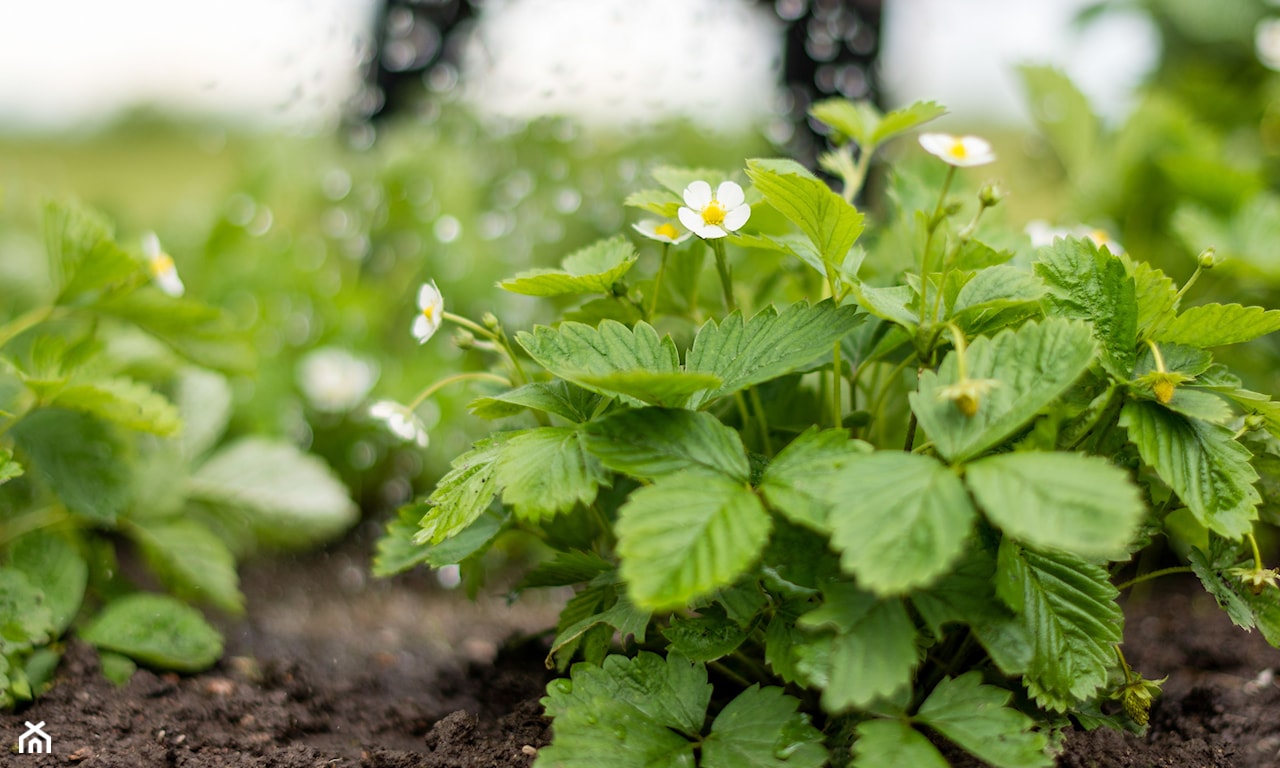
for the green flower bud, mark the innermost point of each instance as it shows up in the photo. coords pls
(991, 194)
(1208, 258)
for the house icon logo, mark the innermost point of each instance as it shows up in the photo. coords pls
(35, 741)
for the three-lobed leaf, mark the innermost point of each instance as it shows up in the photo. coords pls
(1086, 283)
(593, 269)
(546, 471)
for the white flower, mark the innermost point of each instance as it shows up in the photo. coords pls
(402, 422)
(1042, 234)
(163, 271)
(430, 312)
(960, 151)
(661, 230)
(710, 215)
(1266, 42)
(334, 380)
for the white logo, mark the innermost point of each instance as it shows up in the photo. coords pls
(35, 741)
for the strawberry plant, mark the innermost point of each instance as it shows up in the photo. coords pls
(835, 489)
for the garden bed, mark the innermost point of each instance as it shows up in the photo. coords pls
(331, 668)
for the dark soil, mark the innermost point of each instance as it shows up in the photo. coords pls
(331, 669)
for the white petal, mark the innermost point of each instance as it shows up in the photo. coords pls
(423, 329)
(937, 143)
(151, 245)
(429, 296)
(697, 195)
(710, 232)
(691, 219)
(170, 283)
(730, 195)
(736, 217)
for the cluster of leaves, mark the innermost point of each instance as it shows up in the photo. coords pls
(837, 530)
(111, 414)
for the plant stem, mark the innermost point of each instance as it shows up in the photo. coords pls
(932, 227)
(1153, 575)
(437, 386)
(24, 322)
(470, 325)
(837, 365)
(726, 276)
(762, 420)
(657, 282)
(1257, 556)
(911, 434)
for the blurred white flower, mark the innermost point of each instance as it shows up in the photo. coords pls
(1042, 233)
(710, 215)
(163, 271)
(1266, 42)
(960, 151)
(334, 380)
(449, 576)
(661, 230)
(430, 312)
(402, 422)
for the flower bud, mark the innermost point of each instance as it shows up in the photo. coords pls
(1208, 258)
(991, 194)
(490, 321)
(464, 339)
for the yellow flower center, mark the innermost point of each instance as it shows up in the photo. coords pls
(713, 214)
(669, 231)
(161, 264)
(958, 151)
(429, 312)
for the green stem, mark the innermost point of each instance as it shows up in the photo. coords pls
(657, 281)
(437, 386)
(911, 434)
(837, 365)
(1257, 556)
(726, 276)
(932, 227)
(762, 420)
(1153, 575)
(470, 325)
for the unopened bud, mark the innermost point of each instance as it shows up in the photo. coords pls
(1208, 258)
(490, 321)
(990, 195)
(464, 339)
(1254, 421)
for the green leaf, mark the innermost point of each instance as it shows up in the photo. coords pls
(872, 653)
(1068, 501)
(830, 223)
(1069, 607)
(26, 621)
(993, 291)
(1203, 463)
(57, 569)
(686, 536)
(546, 471)
(116, 668)
(399, 550)
(1086, 283)
(1216, 325)
(761, 728)
(676, 178)
(156, 630)
(1157, 297)
(899, 520)
(978, 717)
(741, 354)
(613, 360)
(124, 402)
(84, 256)
(905, 119)
(704, 638)
(652, 442)
(797, 482)
(190, 560)
(670, 693)
(1032, 366)
(559, 397)
(9, 469)
(593, 269)
(599, 605)
(566, 568)
(202, 334)
(78, 458)
(885, 743)
(465, 492)
(286, 497)
(204, 404)
(1062, 112)
(1224, 591)
(892, 303)
(656, 201)
(855, 120)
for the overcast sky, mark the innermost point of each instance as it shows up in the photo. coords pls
(294, 62)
